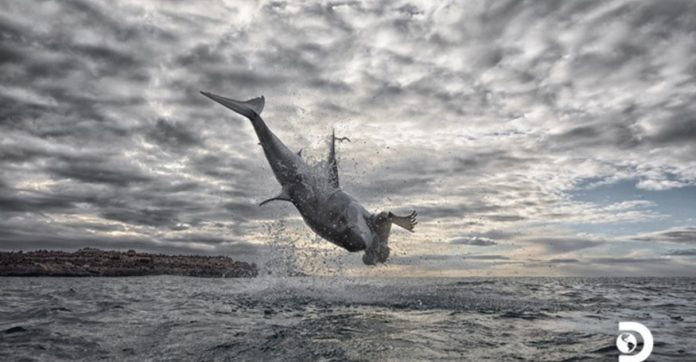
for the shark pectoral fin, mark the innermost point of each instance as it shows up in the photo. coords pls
(282, 196)
(406, 222)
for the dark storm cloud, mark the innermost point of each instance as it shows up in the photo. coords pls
(150, 217)
(487, 257)
(560, 245)
(563, 261)
(113, 173)
(449, 260)
(56, 55)
(171, 134)
(398, 185)
(474, 240)
(65, 200)
(686, 235)
(11, 201)
(496, 234)
(615, 129)
(680, 128)
(490, 159)
(505, 218)
(251, 210)
(622, 130)
(455, 211)
(611, 261)
(110, 60)
(681, 252)
(551, 263)
(19, 237)
(227, 78)
(292, 64)
(219, 166)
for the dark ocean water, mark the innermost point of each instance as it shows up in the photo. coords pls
(312, 318)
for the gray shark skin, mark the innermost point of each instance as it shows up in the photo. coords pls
(326, 209)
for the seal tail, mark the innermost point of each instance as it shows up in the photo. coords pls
(249, 108)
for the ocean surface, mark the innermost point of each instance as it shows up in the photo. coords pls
(168, 318)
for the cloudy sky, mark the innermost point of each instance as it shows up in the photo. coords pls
(533, 138)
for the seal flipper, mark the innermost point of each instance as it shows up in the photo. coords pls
(282, 196)
(406, 222)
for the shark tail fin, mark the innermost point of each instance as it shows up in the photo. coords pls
(248, 108)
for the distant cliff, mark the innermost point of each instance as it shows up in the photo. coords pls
(90, 262)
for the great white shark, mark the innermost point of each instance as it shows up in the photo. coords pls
(326, 209)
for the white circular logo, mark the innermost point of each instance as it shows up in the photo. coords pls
(626, 342)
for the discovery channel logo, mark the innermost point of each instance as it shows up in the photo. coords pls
(627, 342)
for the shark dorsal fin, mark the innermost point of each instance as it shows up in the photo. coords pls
(332, 162)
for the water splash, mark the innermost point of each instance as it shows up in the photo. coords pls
(297, 251)
(316, 173)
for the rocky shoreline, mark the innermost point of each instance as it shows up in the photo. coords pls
(90, 262)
